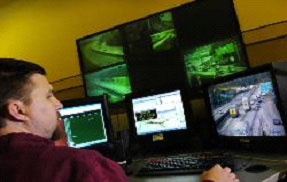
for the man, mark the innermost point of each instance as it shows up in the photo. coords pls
(28, 122)
(28, 119)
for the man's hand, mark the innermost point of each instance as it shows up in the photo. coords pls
(219, 174)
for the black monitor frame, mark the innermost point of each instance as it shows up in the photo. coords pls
(170, 138)
(105, 112)
(248, 143)
(143, 67)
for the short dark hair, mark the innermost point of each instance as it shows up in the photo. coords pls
(14, 77)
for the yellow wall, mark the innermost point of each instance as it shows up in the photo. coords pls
(45, 31)
(256, 13)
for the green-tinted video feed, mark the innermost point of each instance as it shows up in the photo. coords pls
(136, 31)
(104, 65)
(156, 33)
(162, 30)
(113, 81)
(213, 60)
(102, 50)
(85, 128)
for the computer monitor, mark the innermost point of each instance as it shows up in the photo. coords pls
(160, 117)
(187, 45)
(104, 66)
(246, 107)
(86, 122)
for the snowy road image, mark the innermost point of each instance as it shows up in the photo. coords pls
(246, 107)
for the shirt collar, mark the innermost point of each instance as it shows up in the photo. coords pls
(23, 139)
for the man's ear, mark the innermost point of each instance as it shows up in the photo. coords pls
(17, 110)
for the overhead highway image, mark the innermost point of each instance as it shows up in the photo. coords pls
(246, 107)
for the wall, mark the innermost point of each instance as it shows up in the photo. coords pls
(45, 32)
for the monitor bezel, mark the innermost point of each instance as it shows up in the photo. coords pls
(250, 143)
(105, 114)
(170, 137)
(193, 91)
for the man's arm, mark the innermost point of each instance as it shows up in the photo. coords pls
(97, 168)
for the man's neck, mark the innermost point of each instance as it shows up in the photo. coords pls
(13, 127)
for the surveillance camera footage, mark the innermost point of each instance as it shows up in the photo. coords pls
(104, 66)
(112, 80)
(163, 34)
(246, 106)
(217, 59)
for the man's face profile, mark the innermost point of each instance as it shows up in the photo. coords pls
(42, 108)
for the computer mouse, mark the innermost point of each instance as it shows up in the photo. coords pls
(256, 168)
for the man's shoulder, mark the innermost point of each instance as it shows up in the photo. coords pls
(75, 154)
(86, 159)
(91, 163)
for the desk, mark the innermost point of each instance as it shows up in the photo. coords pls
(181, 178)
(242, 161)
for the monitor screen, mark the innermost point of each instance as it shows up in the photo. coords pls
(154, 33)
(185, 46)
(163, 34)
(246, 106)
(111, 80)
(158, 113)
(103, 65)
(216, 59)
(84, 124)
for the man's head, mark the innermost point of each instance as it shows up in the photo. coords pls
(27, 103)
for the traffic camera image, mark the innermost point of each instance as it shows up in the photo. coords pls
(246, 106)
(104, 65)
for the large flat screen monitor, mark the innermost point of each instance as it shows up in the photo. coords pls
(160, 117)
(86, 122)
(188, 45)
(247, 106)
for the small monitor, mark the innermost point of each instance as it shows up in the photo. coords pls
(246, 107)
(159, 113)
(86, 122)
(160, 117)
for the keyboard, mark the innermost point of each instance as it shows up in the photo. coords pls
(194, 163)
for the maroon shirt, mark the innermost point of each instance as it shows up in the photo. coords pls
(28, 158)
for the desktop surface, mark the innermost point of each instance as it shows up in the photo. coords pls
(275, 163)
